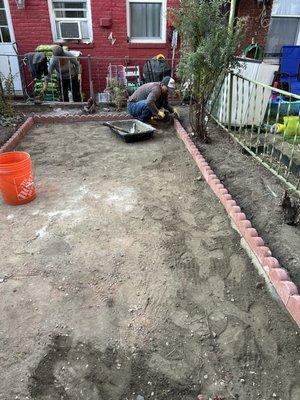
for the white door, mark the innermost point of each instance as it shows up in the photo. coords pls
(9, 63)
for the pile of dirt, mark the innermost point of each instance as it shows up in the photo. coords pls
(257, 191)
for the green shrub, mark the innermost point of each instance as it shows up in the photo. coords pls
(117, 91)
(208, 49)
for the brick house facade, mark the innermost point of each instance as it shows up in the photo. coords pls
(109, 32)
(32, 26)
(257, 25)
(113, 30)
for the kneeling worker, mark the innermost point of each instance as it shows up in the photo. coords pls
(149, 100)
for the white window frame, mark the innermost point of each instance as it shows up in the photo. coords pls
(163, 22)
(88, 18)
(9, 24)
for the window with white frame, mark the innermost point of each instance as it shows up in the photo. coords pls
(284, 27)
(71, 20)
(146, 21)
(4, 29)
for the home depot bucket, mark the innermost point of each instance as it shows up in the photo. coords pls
(16, 182)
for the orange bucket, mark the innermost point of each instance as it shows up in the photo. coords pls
(16, 181)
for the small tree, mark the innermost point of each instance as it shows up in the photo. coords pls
(117, 91)
(208, 50)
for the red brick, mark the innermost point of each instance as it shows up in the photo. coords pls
(253, 26)
(271, 262)
(285, 289)
(262, 252)
(293, 306)
(278, 274)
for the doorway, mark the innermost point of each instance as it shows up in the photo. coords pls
(9, 63)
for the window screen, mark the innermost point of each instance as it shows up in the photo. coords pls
(145, 20)
(282, 32)
(71, 10)
(286, 7)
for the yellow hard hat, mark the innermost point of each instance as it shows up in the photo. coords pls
(160, 57)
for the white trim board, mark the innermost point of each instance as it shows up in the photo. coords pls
(89, 22)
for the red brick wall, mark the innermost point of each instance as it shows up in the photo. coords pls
(252, 9)
(32, 27)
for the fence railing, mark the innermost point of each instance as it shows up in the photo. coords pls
(264, 120)
(92, 80)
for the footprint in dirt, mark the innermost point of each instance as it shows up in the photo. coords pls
(79, 372)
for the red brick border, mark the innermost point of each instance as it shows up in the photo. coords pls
(57, 119)
(278, 276)
(18, 135)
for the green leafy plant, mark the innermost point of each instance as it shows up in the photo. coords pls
(117, 91)
(208, 50)
(182, 92)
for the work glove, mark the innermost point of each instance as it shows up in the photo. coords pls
(161, 115)
(176, 113)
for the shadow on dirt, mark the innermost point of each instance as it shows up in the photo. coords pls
(79, 371)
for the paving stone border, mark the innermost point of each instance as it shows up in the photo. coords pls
(57, 119)
(278, 276)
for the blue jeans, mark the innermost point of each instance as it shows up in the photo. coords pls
(139, 110)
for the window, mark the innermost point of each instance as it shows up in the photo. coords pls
(75, 13)
(146, 21)
(4, 29)
(284, 27)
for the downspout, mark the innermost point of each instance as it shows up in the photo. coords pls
(232, 14)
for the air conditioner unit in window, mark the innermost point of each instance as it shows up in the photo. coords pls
(70, 30)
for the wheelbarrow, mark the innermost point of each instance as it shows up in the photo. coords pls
(131, 130)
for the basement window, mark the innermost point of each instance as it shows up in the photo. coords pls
(146, 21)
(71, 20)
(284, 27)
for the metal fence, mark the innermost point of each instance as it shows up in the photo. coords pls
(264, 120)
(95, 72)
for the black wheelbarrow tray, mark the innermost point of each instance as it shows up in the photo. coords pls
(131, 130)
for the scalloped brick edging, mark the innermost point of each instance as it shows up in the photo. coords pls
(18, 135)
(278, 276)
(57, 119)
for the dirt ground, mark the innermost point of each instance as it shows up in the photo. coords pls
(124, 280)
(258, 192)
(9, 125)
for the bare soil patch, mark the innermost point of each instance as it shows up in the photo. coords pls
(258, 192)
(125, 278)
(9, 125)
